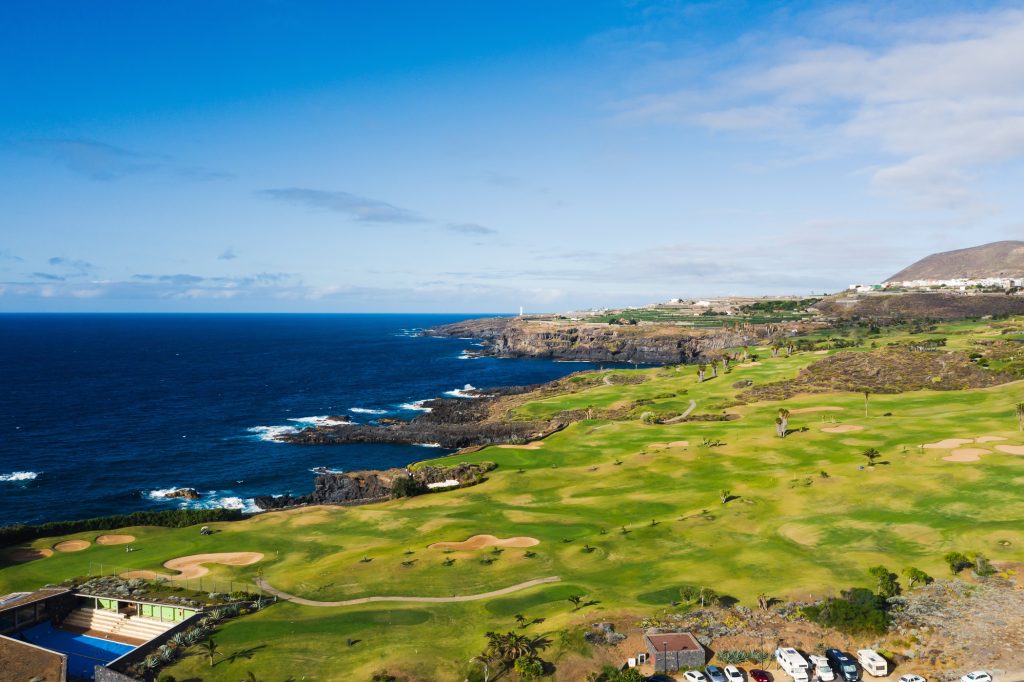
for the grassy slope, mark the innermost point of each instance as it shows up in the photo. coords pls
(775, 538)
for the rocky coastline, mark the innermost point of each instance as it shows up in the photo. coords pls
(653, 344)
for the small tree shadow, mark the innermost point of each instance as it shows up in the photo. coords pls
(243, 653)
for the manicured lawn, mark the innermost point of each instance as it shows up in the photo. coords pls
(652, 515)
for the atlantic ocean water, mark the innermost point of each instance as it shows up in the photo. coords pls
(99, 413)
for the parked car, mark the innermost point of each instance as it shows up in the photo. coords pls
(760, 676)
(733, 674)
(694, 676)
(714, 673)
(976, 676)
(910, 677)
(822, 670)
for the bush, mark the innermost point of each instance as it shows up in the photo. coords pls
(407, 486)
(529, 668)
(175, 518)
(858, 611)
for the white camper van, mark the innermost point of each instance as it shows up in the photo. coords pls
(822, 670)
(793, 664)
(873, 663)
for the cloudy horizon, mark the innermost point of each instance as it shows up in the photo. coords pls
(472, 157)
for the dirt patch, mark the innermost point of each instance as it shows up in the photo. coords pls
(22, 554)
(948, 444)
(1011, 449)
(529, 446)
(966, 455)
(819, 408)
(481, 541)
(72, 545)
(748, 364)
(143, 575)
(842, 428)
(801, 534)
(115, 539)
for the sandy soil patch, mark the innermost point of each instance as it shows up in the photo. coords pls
(966, 455)
(529, 446)
(748, 364)
(948, 444)
(819, 408)
(481, 541)
(115, 539)
(988, 439)
(679, 444)
(72, 545)
(192, 566)
(22, 554)
(821, 352)
(143, 575)
(842, 428)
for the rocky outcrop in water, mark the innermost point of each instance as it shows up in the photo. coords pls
(183, 493)
(374, 486)
(656, 344)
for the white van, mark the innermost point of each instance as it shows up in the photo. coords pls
(794, 664)
(822, 670)
(873, 663)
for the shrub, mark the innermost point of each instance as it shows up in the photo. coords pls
(857, 611)
(529, 668)
(407, 486)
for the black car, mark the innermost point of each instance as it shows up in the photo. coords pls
(843, 664)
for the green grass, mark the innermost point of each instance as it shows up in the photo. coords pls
(907, 512)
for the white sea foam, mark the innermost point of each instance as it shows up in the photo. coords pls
(211, 499)
(366, 410)
(427, 445)
(320, 420)
(271, 433)
(416, 406)
(325, 470)
(16, 476)
(462, 392)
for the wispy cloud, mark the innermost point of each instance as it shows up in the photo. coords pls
(939, 100)
(5, 254)
(359, 208)
(227, 254)
(470, 228)
(49, 276)
(101, 161)
(71, 266)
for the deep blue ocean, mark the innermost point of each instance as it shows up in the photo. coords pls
(99, 412)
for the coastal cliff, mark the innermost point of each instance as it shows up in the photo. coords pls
(655, 344)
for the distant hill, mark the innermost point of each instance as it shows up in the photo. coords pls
(998, 259)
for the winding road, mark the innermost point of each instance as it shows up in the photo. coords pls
(684, 415)
(427, 600)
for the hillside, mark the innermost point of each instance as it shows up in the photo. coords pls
(919, 306)
(998, 259)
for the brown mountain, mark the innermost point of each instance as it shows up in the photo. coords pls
(998, 259)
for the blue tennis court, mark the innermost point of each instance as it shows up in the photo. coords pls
(84, 652)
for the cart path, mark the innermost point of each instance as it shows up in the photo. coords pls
(431, 600)
(684, 415)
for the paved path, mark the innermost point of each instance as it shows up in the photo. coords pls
(684, 415)
(430, 600)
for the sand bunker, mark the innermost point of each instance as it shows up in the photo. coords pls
(481, 541)
(842, 428)
(22, 554)
(988, 439)
(948, 444)
(820, 408)
(966, 455)
(1011, 449)
(115, 539)
(679, 444)
(748, 364)
(189, 567)
(529, 446)
(72, 545)
(673, 444)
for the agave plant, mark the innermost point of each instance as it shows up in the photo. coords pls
(180, 638)
(167, 654)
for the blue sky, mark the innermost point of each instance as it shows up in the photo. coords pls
(479, 156)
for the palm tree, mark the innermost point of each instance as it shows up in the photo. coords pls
(508, 647)
(211, 649)
(867, 394)
(701, 368)
(782, 422)
(521, 620)
(484, 660)
(1020, 416)
(250, 676)
(725, 495)
(872, 454)
(576, 601)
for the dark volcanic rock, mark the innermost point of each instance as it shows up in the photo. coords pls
(372, 486)
(184, 493)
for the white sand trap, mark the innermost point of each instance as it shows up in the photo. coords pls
(966, 455)
(529, 446)
(72, 545)
(819, 408)
(988, 439)
(115, 539)
(842, 428)
(1011, 449)
(481, 541)
(948, 444)
(20, 555)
